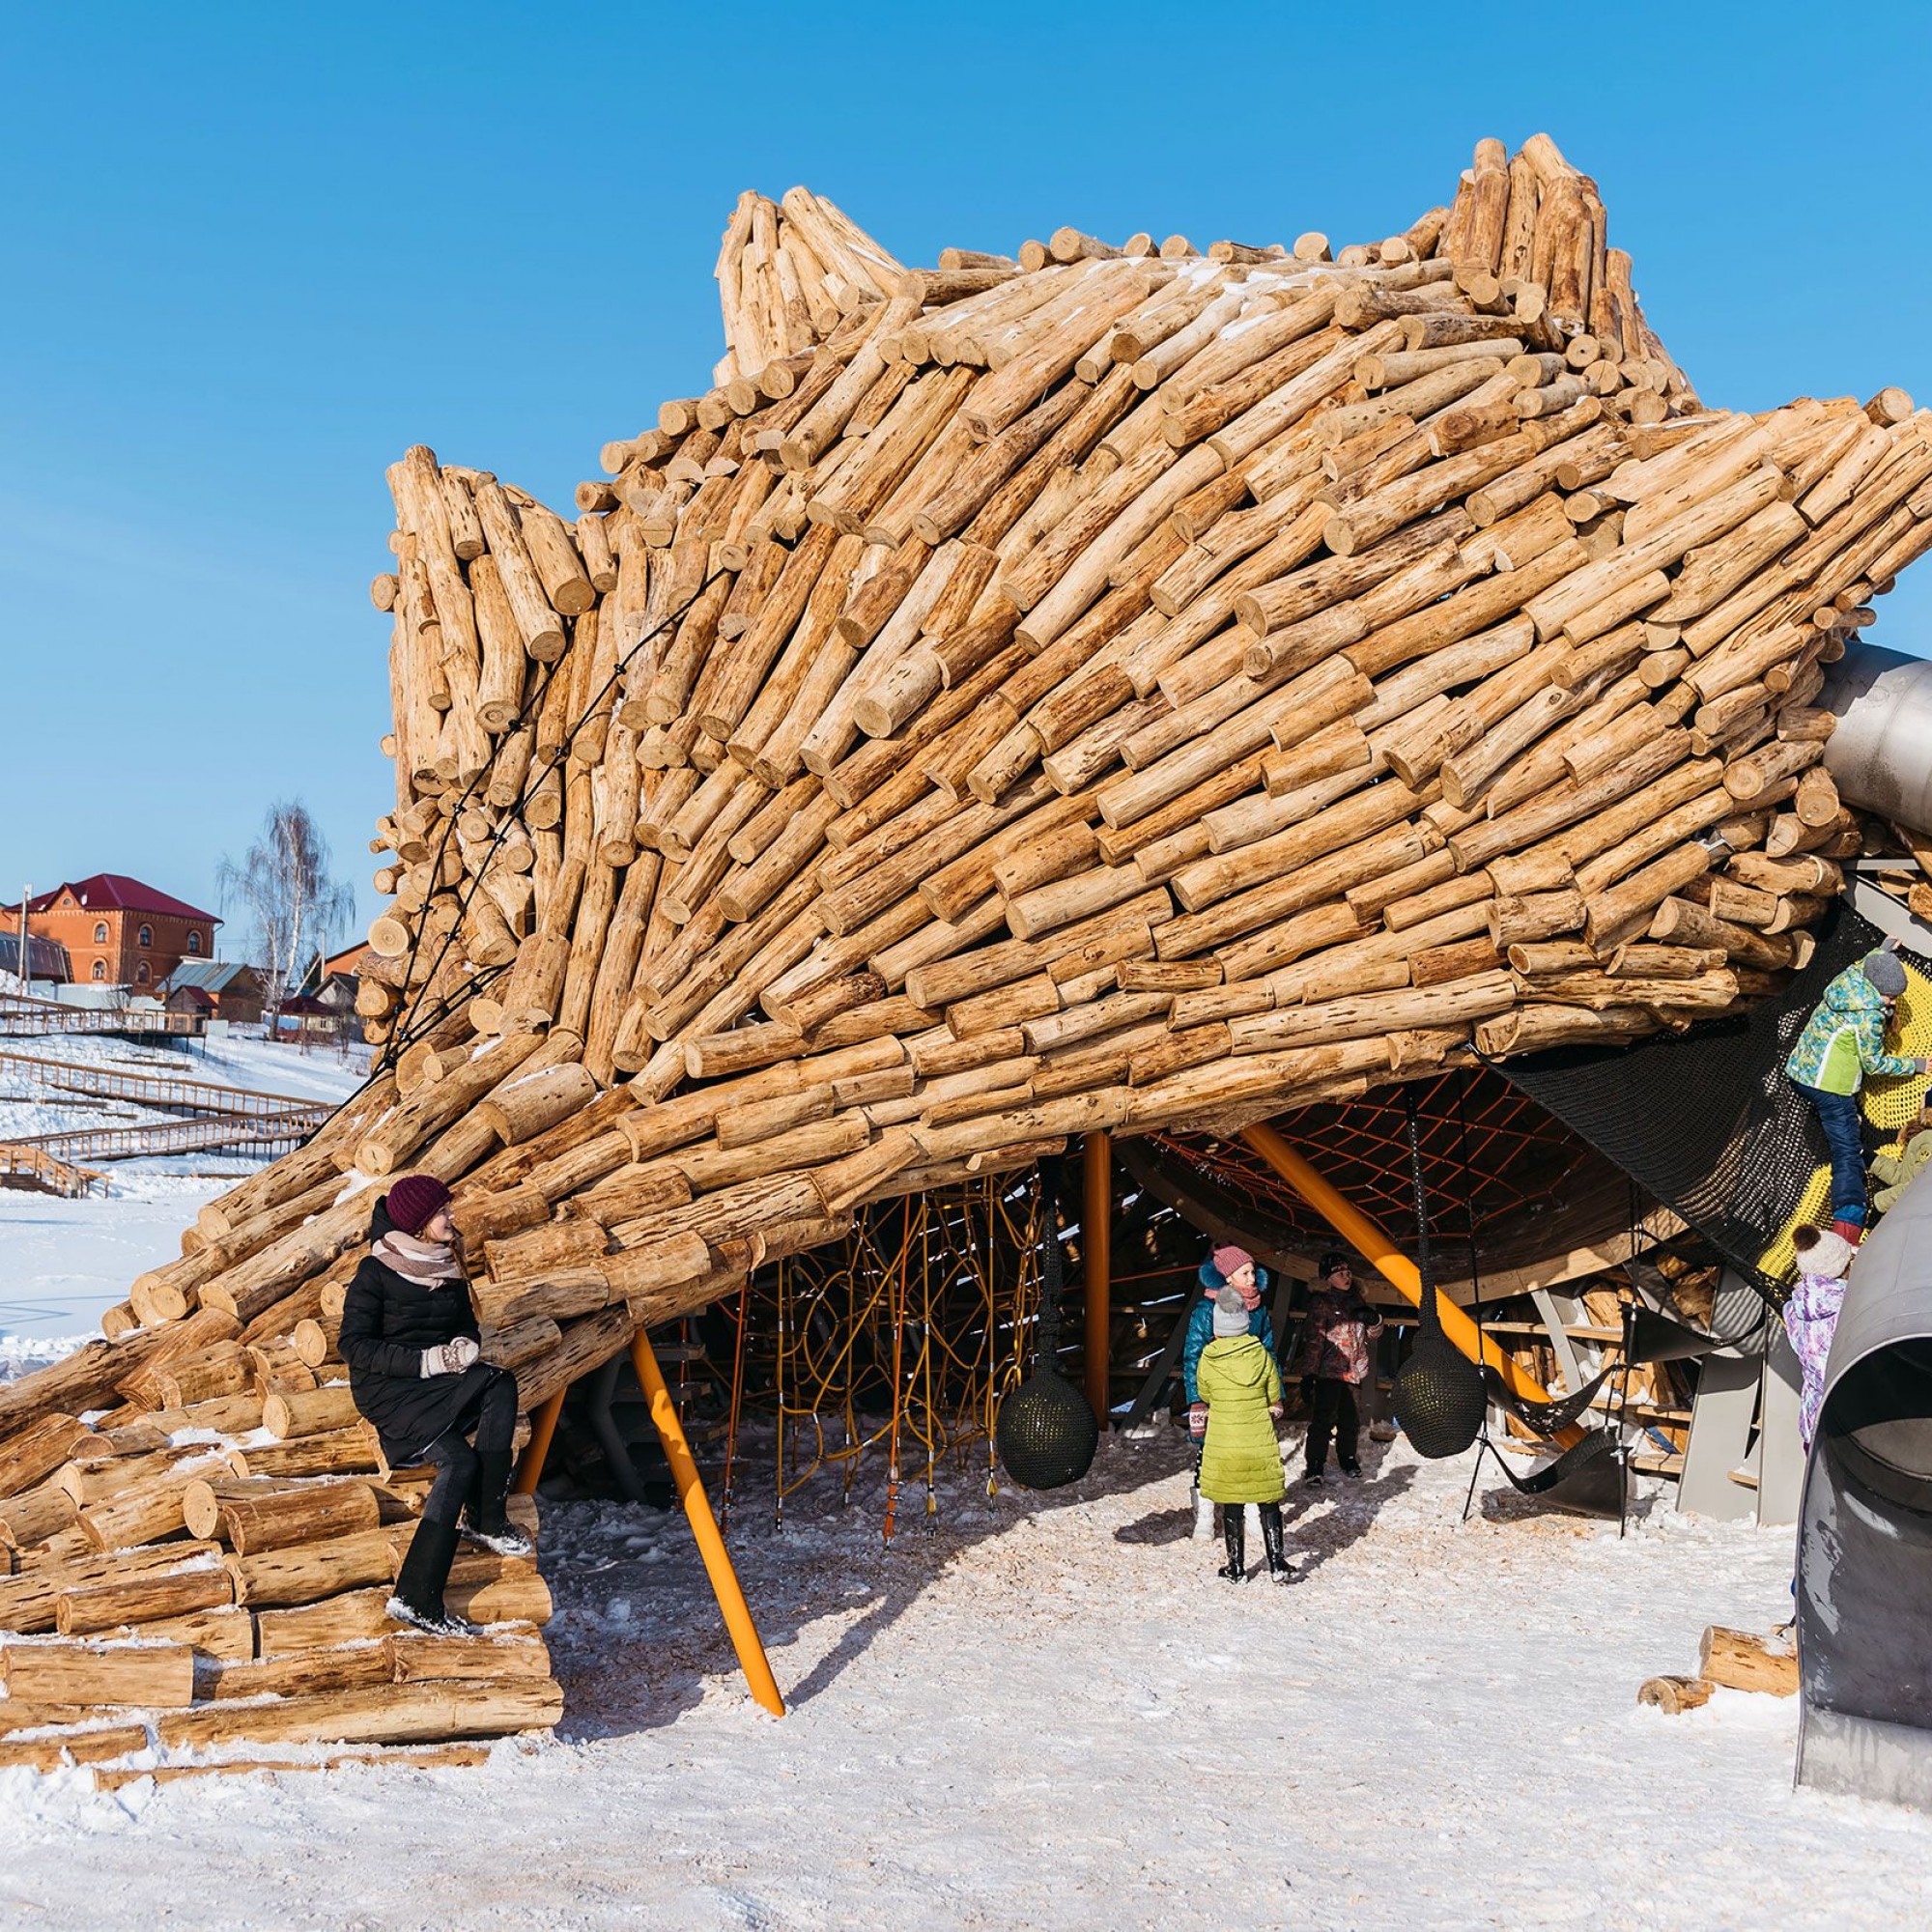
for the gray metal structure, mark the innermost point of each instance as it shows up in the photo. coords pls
(46, 958)
(1864, 1531)
(1879, 756)
(1864, 1538)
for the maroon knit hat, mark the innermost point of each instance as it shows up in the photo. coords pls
(413, 1200)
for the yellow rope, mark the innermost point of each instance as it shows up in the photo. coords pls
(976, 1295)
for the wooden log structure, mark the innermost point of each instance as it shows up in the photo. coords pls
(1081, 693)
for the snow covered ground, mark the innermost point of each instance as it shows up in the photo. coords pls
(1052, 1713)
(1044, 1712)
(63, 1262)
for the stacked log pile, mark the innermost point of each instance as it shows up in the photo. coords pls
(205, 1562)
(1098, 688)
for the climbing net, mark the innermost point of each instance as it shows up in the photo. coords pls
(1497, 1165)
(900, 1342)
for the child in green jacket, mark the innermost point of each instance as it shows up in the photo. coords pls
(1240, 1461)
(1841, 1046)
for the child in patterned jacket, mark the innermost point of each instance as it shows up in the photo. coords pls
(1811, 1315)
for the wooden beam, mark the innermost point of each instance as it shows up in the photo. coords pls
(1096, 1231)
(1395, 1268)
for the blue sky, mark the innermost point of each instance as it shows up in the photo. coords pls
(253, 254)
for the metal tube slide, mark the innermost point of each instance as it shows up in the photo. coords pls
(1879, 756)
(1865, 1535)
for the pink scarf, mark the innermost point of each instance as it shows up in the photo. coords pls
(427, 1263)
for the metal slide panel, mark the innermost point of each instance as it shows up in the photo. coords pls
(1865, 1540)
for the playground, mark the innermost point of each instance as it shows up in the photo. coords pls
(1062, 781)
(1138, 1125)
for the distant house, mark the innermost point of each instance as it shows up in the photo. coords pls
(119, 932)
(192, 999)
(349, 961)
(337, 992)
(301, 1013)
(334, 979)
(231, 992)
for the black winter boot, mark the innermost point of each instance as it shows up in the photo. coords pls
(484, 1517)
(1234, 1526)
(419, 1592)
(1277, 1563)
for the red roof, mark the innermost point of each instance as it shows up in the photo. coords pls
(115, 892)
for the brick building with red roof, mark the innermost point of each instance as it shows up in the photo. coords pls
(119, 932)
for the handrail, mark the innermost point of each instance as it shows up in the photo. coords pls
(57, 1176)
(151, 1088)
(161, 1137)
(21, 1017)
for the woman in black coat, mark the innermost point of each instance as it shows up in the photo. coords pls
(415, 1370)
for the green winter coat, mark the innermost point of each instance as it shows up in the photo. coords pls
(1241, 1461)
(1896, 1169)
(1844, 1039)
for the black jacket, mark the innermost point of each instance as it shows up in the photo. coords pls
(1335, 1340)
(388, 1322)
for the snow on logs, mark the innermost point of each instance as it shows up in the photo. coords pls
(1102, 688)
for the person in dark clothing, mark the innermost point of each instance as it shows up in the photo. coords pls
(415, 1371)
(1335, 1355)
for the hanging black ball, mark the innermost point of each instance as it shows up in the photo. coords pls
(1046, 1432)
(1439, 1398)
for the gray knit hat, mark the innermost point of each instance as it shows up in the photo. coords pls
(1884, 971)
(1230, 1314)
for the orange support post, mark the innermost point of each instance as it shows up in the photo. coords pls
(1097, 1237)
(543, 1426)
(724, 1583)
(1395, 1268)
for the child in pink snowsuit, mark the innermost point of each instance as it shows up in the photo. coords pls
(1811, 1315)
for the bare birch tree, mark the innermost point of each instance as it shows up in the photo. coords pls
(296, 908)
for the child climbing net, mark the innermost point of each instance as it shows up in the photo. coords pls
(1860, 1061)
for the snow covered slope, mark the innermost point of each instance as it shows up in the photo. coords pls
(63, 1262)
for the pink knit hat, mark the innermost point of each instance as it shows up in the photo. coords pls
(1227, 1259)
(413, 1200)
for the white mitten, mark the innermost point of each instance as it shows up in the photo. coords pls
(451, 1359)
